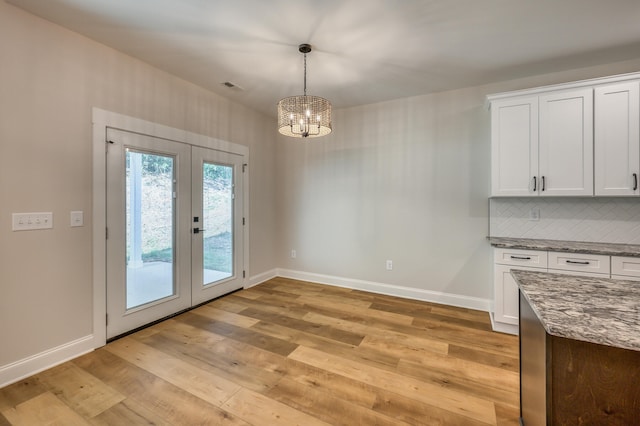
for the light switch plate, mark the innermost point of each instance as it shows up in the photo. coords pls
(77, 218)
(31, 221)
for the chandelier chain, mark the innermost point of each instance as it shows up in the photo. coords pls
(305, 74)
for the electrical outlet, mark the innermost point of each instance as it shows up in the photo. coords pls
(293, 254)
(389, 265)
(534, 214)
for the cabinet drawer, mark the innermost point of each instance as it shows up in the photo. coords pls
(578, 262)
(628, 266)
(516, 257)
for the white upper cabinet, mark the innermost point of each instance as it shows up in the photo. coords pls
(542, 145)
(617, 143)
(566, 143)
(576, 139)
(514, 146)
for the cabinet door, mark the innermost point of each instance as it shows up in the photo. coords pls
(566, 143)
(617, 144)
(514, 146)
(506, 293)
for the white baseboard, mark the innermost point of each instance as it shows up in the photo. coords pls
(29, 366)
(504, 328)
(391, 290)
(260, 278)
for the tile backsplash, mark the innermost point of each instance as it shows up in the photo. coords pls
(608, 220)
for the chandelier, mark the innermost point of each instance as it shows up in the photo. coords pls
(304, 116)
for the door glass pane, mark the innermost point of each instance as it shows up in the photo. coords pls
(150, 214)
(217, 206)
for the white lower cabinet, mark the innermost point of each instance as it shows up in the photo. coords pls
(505, 315)
(625, 268)
(505, 301)
(506, 291)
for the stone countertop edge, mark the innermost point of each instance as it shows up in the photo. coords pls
(603, 311)
(610, 249)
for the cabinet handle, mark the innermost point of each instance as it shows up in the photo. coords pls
(575, 262)
(543, 183)
(521, 257)
(535, 184)
(635, 181)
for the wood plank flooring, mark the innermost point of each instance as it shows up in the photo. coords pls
(287, 352)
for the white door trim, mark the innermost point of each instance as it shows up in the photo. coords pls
(102, 120)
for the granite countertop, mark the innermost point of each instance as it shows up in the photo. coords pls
(597, 310)
(609, 249)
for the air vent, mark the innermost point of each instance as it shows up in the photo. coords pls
(231, 85)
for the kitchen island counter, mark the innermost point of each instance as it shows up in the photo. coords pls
(579, 349)
(596, 310)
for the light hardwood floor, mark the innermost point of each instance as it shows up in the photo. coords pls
(287, 352)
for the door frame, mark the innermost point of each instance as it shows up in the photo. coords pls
(102, 120)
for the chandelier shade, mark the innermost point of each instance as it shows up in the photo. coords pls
(304, 116)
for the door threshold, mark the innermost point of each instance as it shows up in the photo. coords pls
(142, 327)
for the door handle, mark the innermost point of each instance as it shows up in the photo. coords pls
(197, 230)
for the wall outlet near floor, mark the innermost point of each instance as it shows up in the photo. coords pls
(293, 254)
(389, 265)
(534, 214)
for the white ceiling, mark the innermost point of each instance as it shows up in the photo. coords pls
(365, 51)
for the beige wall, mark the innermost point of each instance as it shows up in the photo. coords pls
(406, 180)
(50, 79)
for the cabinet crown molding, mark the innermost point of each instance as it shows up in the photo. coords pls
(563, 86)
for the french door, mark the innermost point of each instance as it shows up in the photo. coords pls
(174, 228)
(216, 253)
